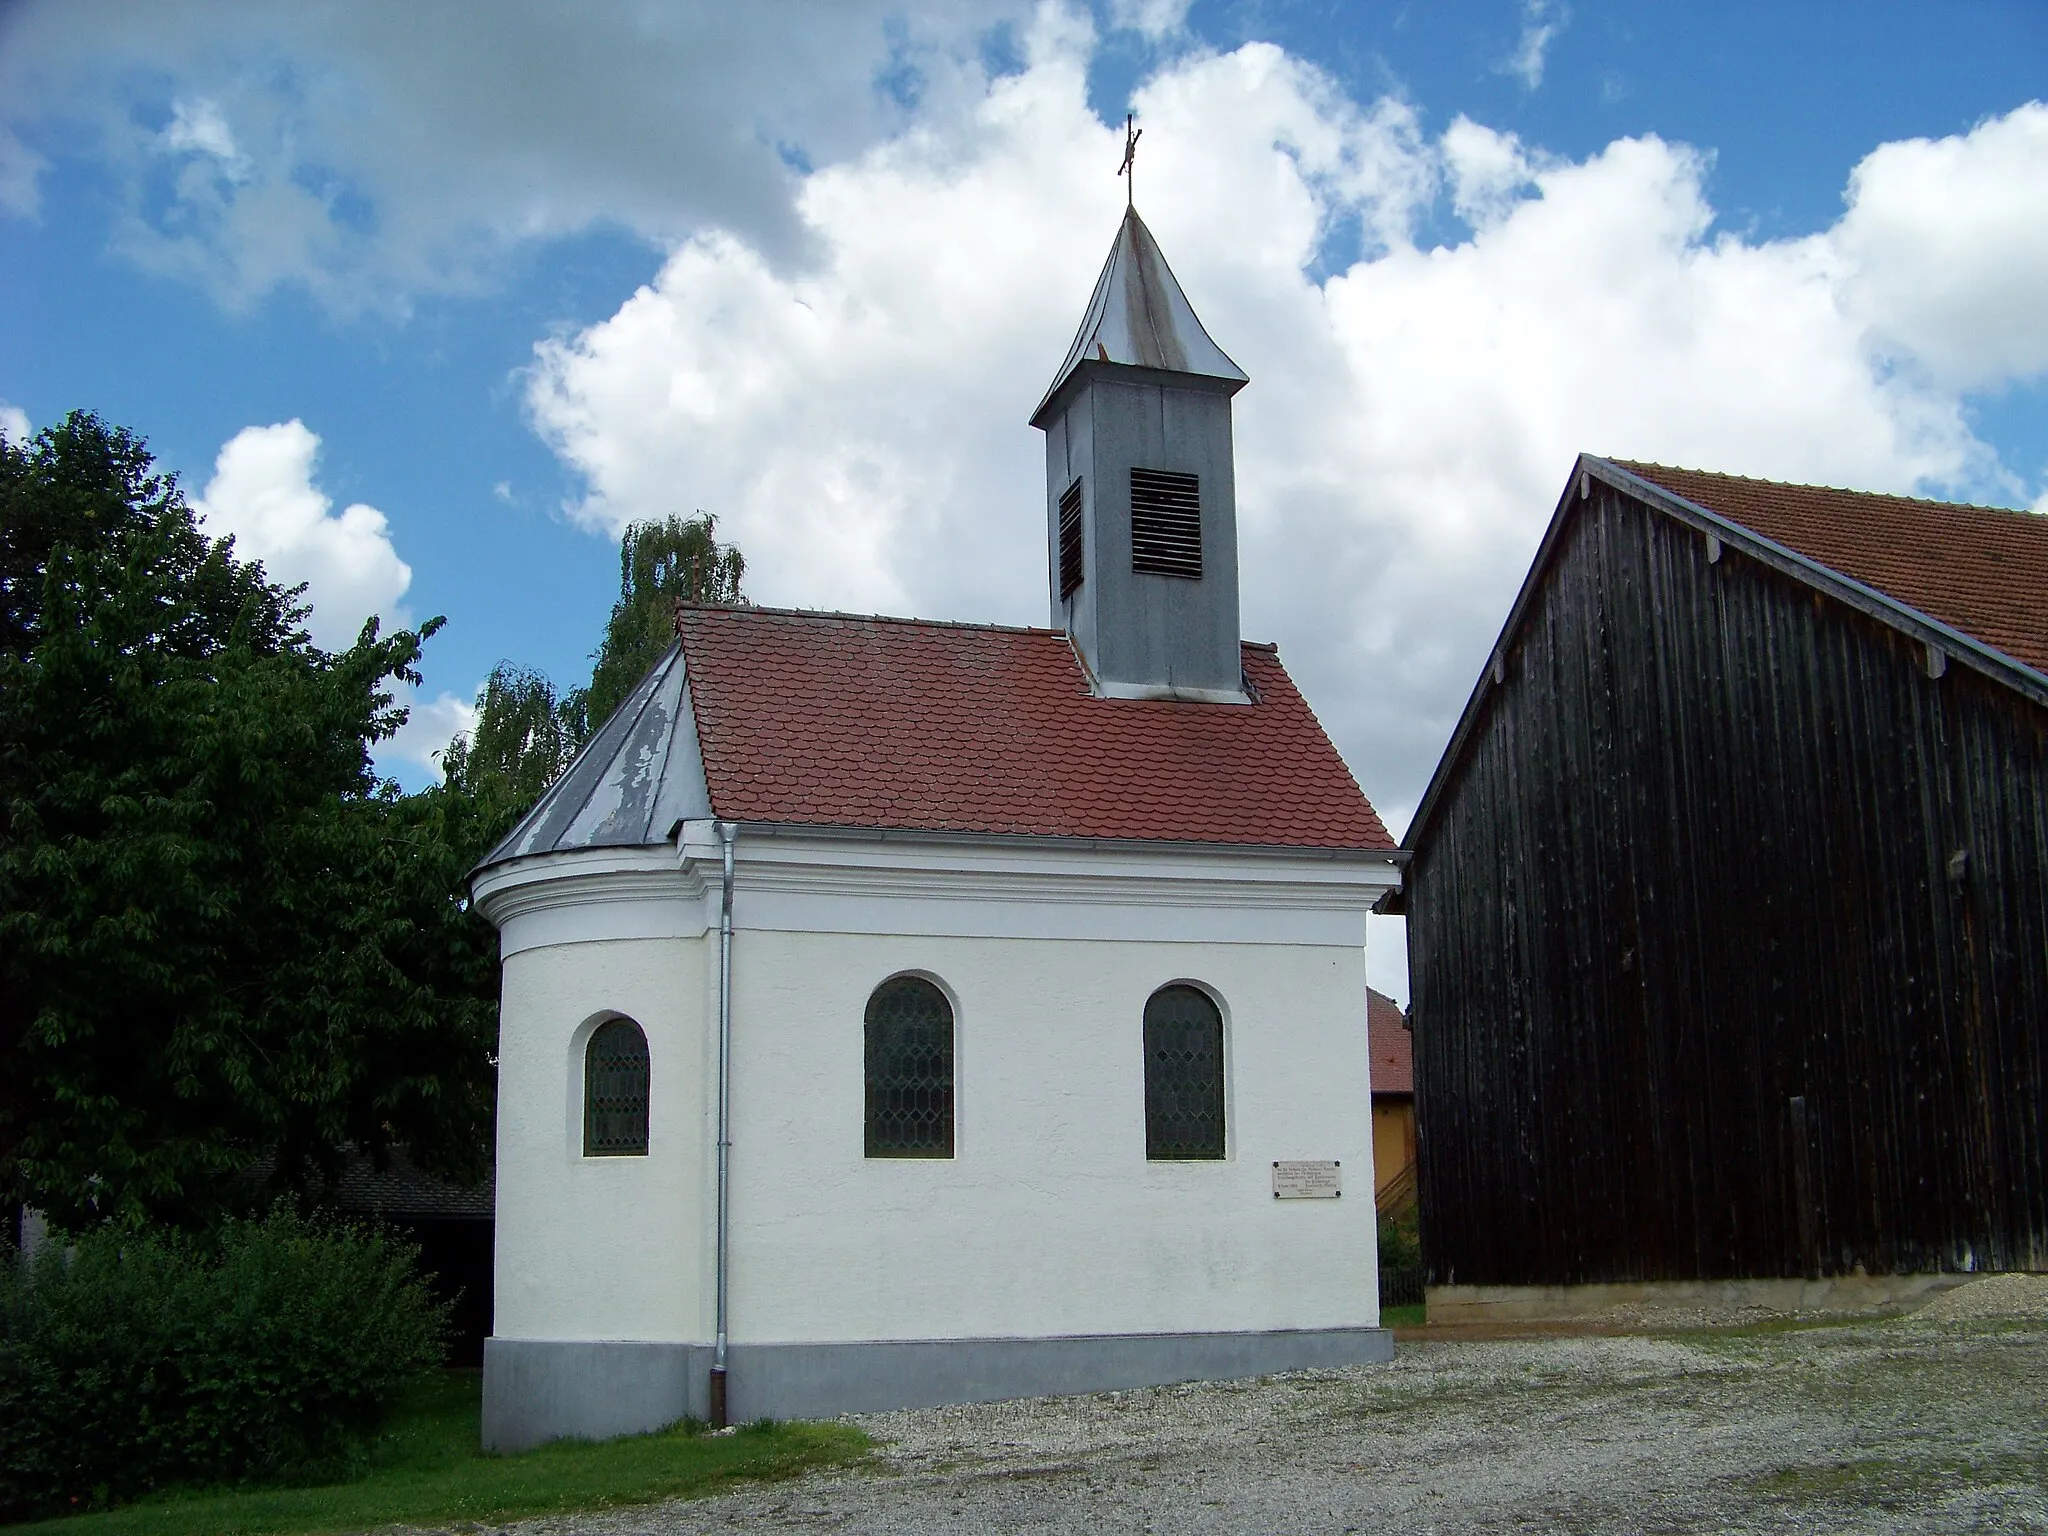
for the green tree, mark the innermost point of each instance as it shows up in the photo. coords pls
(527, 732)
(525, 735)
(223, 942)
(661, 564)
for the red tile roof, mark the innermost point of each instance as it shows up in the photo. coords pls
(1982, 570)
(1391, 1045)
(816, 719)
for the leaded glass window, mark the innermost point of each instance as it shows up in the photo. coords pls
(909, 1070)
(615, 1091)
(1183, 1075)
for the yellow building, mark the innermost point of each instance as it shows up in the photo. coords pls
(1393, 1104)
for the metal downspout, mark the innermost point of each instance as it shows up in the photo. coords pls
(727, 834)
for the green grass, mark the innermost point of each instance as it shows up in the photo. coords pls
(1771, 1327)
(1403, 1317)
(427, 1470)
(1872, 1482)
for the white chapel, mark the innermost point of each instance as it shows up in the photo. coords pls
(900, 1013)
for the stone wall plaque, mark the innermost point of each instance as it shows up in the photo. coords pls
(1308, 1181)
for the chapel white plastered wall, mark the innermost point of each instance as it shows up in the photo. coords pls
(601, 1247)
(1048, 1221)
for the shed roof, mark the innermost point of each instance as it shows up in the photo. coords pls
(1391, 1045)
(400, 1189)
(841, 720)
(1981, 570)
(1138, 317)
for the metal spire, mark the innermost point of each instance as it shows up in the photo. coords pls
(1138, 316)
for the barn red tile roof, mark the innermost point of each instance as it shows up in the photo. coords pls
(838, 720)
(1391, 1045)
(1982, 570)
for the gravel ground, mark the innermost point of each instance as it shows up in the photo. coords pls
(1935, 1422)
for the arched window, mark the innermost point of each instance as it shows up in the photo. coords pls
(1183, 1075)
(909, 1070)
(615, 1091)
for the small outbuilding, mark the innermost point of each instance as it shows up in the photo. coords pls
(900, 1012)
(1728, 903)
(450, 1224)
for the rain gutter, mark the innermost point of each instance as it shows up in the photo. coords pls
(727, 834)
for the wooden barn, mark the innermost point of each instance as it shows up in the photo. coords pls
(1728, 903)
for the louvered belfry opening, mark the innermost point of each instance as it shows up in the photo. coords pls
(1166, 523)
(1183, 1076)
(1070, 540)
(615, 1081)
(909, 1070)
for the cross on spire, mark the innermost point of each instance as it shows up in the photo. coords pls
(1129, 169)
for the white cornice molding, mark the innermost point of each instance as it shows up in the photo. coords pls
(1144, 883)
(597, 874)
(827, 881)
(828, 863)
(698, 838)
(800, 882)
(592, 894)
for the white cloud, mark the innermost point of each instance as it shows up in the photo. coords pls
(263, 492)
(954, 263)
(430, 725)
(369, 152)
(198, 127)
(14, 424)
(1156, 19)
(858, 424)
(1489, 172)
(1948, 244)
(21, 170)
(1542, 20)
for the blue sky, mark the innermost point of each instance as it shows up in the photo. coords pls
(809, 268)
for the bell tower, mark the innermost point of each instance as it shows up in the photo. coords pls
(1140, 492)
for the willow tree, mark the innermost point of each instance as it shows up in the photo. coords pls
(675, 560)
(527, 732)
(525, 735)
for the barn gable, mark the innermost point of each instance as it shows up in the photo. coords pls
(1981, 571)
(1728, 909)
(1979, 595)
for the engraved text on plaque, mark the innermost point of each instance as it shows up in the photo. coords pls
(1308, 1181)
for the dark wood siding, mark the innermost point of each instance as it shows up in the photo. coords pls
(1729, 938)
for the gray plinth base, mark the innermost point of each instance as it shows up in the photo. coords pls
(809, 1381)
(545, 1390)
(537, 1390)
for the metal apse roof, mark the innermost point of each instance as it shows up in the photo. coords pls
(637, 777)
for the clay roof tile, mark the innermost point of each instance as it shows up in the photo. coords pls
(825, 719)
(1981, 570)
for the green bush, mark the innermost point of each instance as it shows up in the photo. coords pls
(1400, 1243)
(130, 1362)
